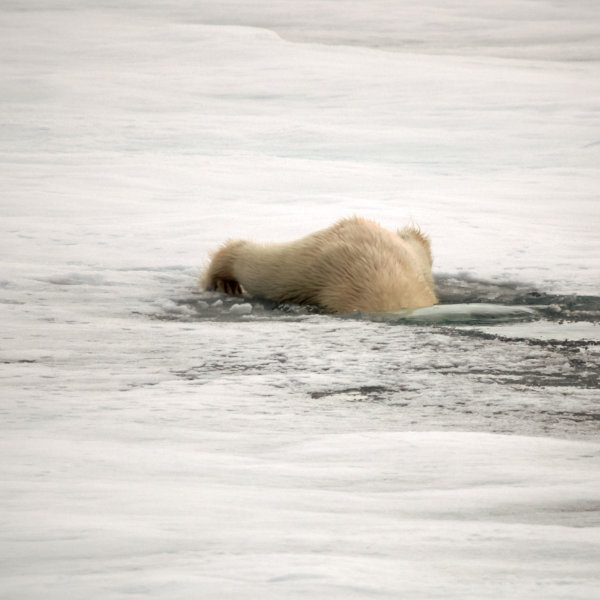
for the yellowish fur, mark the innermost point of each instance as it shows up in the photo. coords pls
(354, 265)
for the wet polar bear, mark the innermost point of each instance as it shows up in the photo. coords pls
(355, 265)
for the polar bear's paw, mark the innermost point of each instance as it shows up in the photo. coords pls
(226, 286)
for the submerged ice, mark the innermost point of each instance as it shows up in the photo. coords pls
(160, 442)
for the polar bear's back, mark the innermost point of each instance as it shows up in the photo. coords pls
(381, 270)
(354, 265)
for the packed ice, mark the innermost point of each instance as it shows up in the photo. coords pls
(160, 441)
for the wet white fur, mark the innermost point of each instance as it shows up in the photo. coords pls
(354, 265)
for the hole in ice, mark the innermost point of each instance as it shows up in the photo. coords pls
(464, 300)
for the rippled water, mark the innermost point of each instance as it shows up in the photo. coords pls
(468, 371)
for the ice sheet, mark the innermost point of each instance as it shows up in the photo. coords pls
(159, 442)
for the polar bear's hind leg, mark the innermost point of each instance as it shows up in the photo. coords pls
(220, 274)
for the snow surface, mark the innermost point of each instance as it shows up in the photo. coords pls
(161, 442)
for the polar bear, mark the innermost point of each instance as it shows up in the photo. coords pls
(354, 265)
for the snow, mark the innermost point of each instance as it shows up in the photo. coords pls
(188, 510)
(161, 442)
